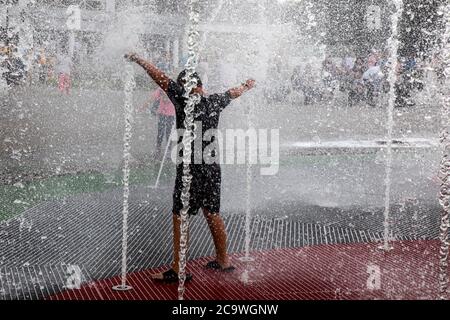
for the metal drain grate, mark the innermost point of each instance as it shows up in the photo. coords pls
(86, 231)
(35, 282)
(314, 273)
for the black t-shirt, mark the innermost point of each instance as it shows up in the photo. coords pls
(206, 113)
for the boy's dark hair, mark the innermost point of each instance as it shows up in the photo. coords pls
(182, 75)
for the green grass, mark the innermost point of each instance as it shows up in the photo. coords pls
(15, 199)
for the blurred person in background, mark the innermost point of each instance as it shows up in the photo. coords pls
(63, 69)
(330, 76)
(373, 80)
(373, 58)
(3, 57)
(405, 82)
(348, 62)
(162, 107)
(357, 89)
(304, 82)
(41, 58)
(14, 66)
(438, 66)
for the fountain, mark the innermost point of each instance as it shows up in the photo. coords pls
(393, 45)
(444, 198)
(3, 85)
(188, 138)
(129, 86)
(328, 192)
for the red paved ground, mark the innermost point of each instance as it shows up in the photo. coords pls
(323, 272)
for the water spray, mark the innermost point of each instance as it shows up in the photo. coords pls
(393, 44)
(188, 137)
(444, 171)
(129, 87)
(163, 161)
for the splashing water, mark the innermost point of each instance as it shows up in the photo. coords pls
(444, 200)
(393, 44)
(3, 85)
(262, 56)
(211, 21)
(163, 161)
(129, 87)
(188, 137)
(259, 55)
(121, 35)
(25, 33)
(444, 196)
(25, 224)
(248, 211)
(245, 277)
(248, 200)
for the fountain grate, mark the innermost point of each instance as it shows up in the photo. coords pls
(85, 230)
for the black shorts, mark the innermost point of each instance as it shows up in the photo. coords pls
(204, 191)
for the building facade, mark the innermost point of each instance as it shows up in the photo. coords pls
(49, 24)
(363, 25)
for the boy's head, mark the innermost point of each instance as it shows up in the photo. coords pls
(181, 79)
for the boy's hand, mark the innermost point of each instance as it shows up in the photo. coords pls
(250, 84)
(244, 87)
(133, 57)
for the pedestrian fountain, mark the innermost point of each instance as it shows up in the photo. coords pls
(444, 197)
(254, 44)
(129, 86)
(188, 137)
(393, 45)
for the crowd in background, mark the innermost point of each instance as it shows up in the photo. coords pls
(363, 78)
(19, 68)
(12, 66)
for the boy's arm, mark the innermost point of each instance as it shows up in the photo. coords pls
(157, 75)
(239, 91)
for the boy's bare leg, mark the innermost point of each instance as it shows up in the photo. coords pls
(219, 234)
(176, 246)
